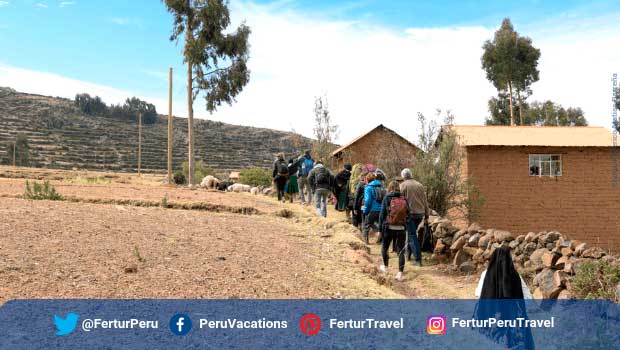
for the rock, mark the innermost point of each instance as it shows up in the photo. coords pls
(474, 228)
(459, 234)
(574, 244)
(537, 294)
(529, 248)
(470, 250)
(569, 265)
(565, 294)
(546, 283)
(514, 244)
(473, 240)
(467, 267)
(549, 246)
(479, 256)
(581, 248)
(560, 278)
(610, 260)
(483, 242)
(488, 253)
(562, 243)
(550, 237)
(458, 244)
(561, 262)
(133, 268)
(439, 247)
(566, 251)
(549, 259)
(447, 241)
(536, 258)
(502, 236)
(594, 253)
(460, 257)
(530, 237)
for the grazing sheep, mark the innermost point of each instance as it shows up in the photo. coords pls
(254, 191)
(246, 188)
(209, 182)
(223, 186)
(268, 191)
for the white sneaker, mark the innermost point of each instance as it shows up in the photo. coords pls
(399, 276)
(383, 268)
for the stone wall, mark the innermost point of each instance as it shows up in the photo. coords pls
(547, 259)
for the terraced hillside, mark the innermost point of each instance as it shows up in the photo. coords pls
(61, 136)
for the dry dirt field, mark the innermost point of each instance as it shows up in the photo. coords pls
(112, 238)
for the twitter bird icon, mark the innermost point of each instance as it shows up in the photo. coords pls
(65, 325)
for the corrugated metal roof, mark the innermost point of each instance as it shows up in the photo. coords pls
(557, 136)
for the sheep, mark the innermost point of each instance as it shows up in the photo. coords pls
(254, 191)
(268, 191)
(209, 182)
(223, 186)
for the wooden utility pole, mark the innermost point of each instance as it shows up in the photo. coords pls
(14, 152)
(140, 144)
(170, 127)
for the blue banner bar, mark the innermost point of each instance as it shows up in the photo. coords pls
(312, 324)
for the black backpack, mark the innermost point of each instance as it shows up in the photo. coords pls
(380, 193)
(322, 176)
(282, 168)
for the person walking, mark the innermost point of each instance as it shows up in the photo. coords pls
(373, 198)
(357, 217)
(292, 187)
(392, 222)
(341, 187)
(415, 193)
(280, 175)
(307, 164)
(320, 180)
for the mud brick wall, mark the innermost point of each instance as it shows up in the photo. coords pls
(582, 204)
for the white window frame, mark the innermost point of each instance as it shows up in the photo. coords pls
(540, 163)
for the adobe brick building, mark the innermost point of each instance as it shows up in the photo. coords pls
(545, 178)
(375, 147)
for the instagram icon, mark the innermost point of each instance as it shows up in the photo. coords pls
(436, 324)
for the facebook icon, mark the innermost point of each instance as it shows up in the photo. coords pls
(180, 324)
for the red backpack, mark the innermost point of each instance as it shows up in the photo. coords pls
(398, 212)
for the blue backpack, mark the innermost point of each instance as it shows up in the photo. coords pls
(307, 166)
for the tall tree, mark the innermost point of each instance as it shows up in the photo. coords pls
(216, 58)
(510, 63)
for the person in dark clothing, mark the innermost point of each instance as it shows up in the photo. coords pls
(305, 191)
(502, 297)
(341, 188)
(392, 222)
(321, 181)
(292, 186)
(358, 201)
(280, 175)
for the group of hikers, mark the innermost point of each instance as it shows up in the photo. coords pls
(394, 211)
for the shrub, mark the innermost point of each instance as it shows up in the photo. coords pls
(22, 151)
(596, 280)
(39, 192)
(255, 177)
(200, 171)
(179, 178)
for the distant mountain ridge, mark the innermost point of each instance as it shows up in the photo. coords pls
(61, 136)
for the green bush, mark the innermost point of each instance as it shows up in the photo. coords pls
(255, 177)
(200, 171)
(179, 178)
(39, 192)
(596, 280)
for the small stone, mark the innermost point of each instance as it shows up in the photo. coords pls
(133, 268)
(458, 244)
(483, 242)
(561, 262)
(593, 253)
(474, 228)
(514, 244)
(560, 278)
(551, 237)
(530, 237)
(565, 294)
(460, 257)
(566, 251)
(459, 234)
(473, 240)
(502, 236)
(546, 283)
(549, 259)
(467, 267)
(536, 258)
(580, 249)
(439, 247)
(529, 248)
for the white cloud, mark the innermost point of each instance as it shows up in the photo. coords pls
(123, 21)
(4, 3)
(55, 85)
(41, 5)
(373, 74)
(66, 3)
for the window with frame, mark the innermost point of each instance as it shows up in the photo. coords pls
(545, 165)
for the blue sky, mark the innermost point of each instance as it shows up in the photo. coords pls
(123, 45)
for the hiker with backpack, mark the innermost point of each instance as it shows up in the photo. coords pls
(321, 181)
(280, 175)
(357, 217)
(415, 193)
(373, 198)
(341, 188)
(307, 164)
(393, 222)
(292, 186)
